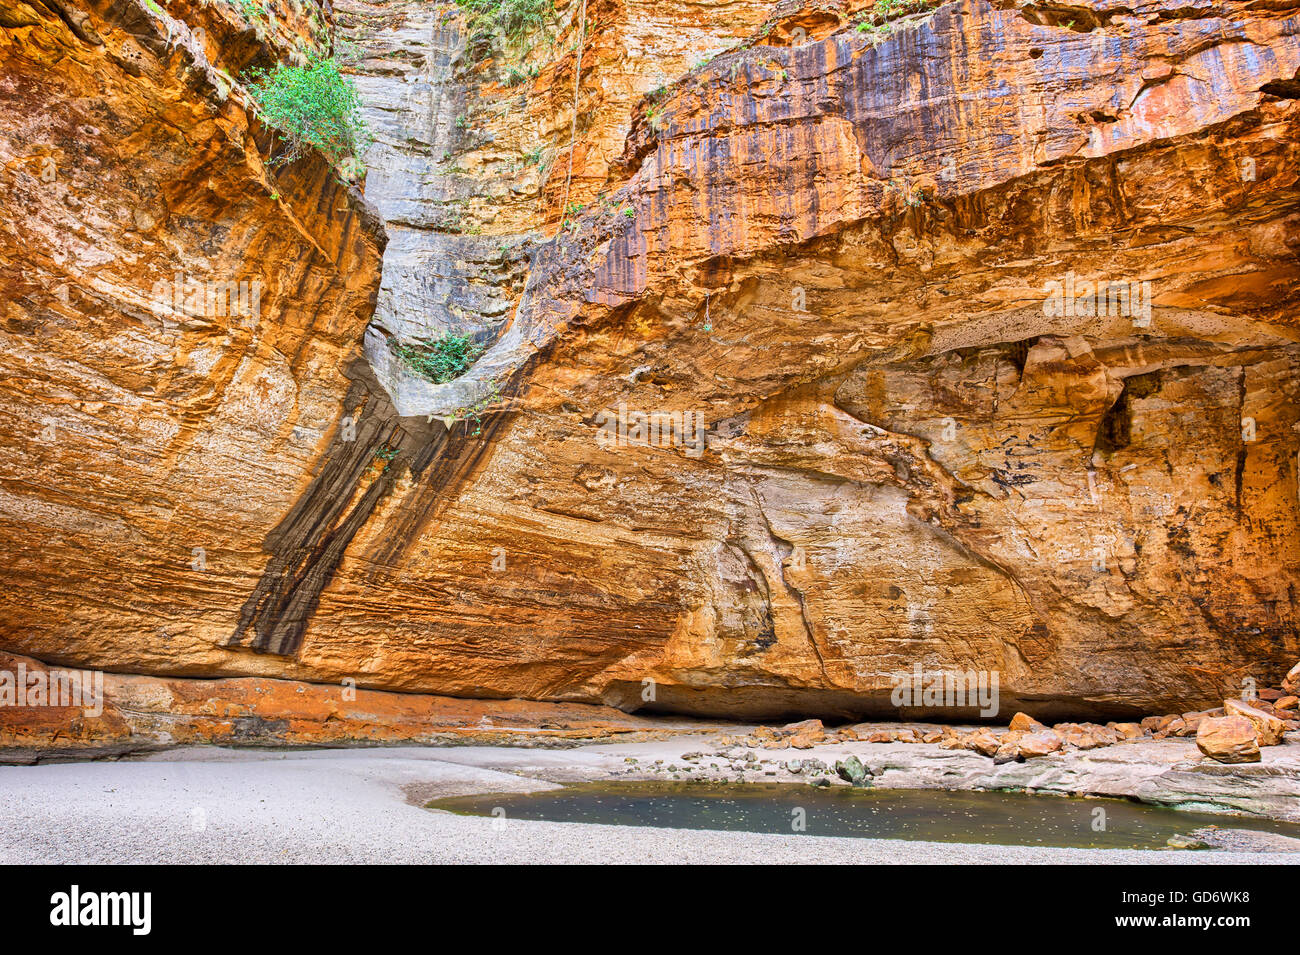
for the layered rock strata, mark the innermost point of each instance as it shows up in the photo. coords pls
(866, 263)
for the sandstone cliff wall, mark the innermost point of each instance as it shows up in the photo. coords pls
(837, 246)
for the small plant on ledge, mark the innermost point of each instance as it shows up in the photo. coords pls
(474, 414)
(442, 359)
(253, 10)
(882, 12)
(514, 19)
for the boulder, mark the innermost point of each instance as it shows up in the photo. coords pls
(1126, 730)
(1291, 682)
(851, 770)
(1228, 739)
(1104, 735)
(1008, 752)
(1024, 723)
(1268, 728)
(1172, 726)
(804, 727)
(1039, 744)
(982, 742)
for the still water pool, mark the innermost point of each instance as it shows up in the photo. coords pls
(935, 816)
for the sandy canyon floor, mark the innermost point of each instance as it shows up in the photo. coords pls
(216, 805)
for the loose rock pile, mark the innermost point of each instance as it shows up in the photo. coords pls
(1231, 733)
(1236, 734)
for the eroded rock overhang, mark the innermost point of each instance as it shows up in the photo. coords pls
(841, 256)
(769, 147)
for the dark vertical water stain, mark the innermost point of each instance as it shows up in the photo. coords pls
(308, 545)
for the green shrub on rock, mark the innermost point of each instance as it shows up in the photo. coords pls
(441, 359)
(514, 19)
(311, 106)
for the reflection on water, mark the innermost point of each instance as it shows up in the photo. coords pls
(936, 816)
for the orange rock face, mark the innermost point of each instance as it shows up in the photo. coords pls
(129, 713)
(180, 320)
(967, 343)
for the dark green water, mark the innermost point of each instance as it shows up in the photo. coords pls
(935, 816)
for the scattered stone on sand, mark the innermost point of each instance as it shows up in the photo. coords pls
(1232, 733)
(851, 770)
(1243, 840)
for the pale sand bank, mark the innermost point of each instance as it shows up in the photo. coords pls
(350, 806)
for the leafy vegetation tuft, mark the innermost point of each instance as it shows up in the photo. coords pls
(513, 19)
(253, 10)
(883, 11)
(441, 359)
(313, 105)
